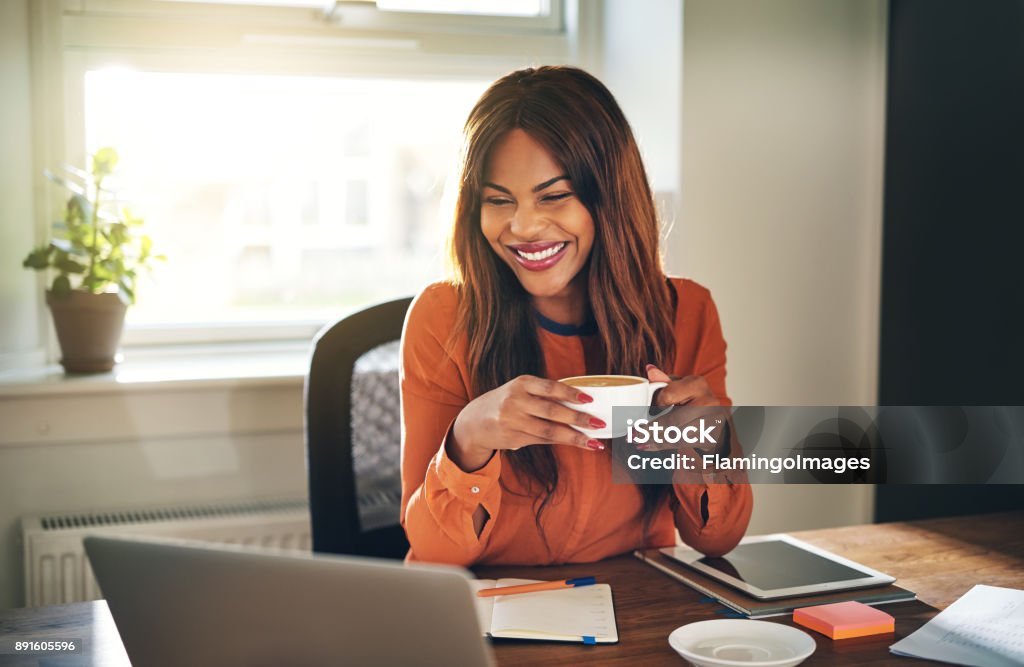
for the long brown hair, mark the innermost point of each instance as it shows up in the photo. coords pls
(576, 119)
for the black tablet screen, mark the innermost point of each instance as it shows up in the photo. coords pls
(771, 565)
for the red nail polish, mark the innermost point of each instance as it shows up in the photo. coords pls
(650, 366)
(597, 423)
(584, 398)
(595, 445)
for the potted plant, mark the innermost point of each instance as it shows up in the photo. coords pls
(97, 251)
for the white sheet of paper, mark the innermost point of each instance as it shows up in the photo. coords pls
(484, 606)
(570, 612)
(984, 628)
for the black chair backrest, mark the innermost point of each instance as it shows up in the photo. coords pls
(334, 477)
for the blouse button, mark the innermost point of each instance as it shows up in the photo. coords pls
(475, 489)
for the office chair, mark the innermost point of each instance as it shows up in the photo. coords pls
(353, 434)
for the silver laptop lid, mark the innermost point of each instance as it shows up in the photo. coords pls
(180, 603)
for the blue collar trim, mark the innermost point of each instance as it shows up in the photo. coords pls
(588, 328)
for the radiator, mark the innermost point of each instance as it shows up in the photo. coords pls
(57, 570)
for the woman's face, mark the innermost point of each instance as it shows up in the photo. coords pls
(530, 215)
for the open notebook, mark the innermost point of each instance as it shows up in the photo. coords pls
(583, 614)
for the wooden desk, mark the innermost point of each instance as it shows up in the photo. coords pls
(939, 559)
(90, 622)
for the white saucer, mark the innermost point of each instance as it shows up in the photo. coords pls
(741, 643)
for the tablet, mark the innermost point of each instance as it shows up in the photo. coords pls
(779, 566)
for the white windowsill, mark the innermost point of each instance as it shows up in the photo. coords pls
(172, 369)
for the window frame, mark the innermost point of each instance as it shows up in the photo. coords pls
(75, 36)
(369, 16)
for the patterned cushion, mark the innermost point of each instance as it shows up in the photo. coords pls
(376, 435)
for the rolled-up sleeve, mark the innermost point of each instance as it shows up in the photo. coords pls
(438, 497)
(713, 517)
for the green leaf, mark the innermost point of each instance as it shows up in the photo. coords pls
(81, 239)
(61, 286)
(118, 234)
(38, 259)
(94, 284)
(103, 162)
(102, 272)
(68, 265)
(111, 268)
(130, 219)
(79, 248)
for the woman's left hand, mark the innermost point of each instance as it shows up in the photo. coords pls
(692, 390)
(698, 407)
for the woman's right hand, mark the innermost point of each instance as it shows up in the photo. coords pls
(524, 411)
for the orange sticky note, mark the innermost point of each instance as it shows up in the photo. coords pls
(844, 620)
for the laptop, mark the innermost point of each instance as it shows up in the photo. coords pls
(191, 603)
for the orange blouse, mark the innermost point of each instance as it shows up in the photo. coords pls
(588, 518)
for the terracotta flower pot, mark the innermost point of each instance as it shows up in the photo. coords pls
(89, 329)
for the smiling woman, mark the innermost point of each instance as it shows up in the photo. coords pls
(557, 274)
(537, 225)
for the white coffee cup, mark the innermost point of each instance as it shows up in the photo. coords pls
(610, 391)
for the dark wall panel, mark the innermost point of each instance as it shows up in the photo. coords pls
(953, 243)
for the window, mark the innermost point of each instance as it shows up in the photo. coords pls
(280, 198)
(494, 7)
(290, 160)
(423, 15)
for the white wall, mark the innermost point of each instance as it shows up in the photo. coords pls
(19, 333)
(148, 444)
(643, 66)
(783, 128)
